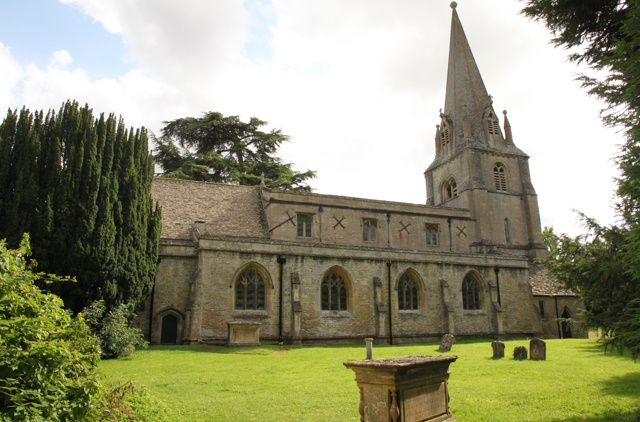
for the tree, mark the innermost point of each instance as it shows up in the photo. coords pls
(604, 265)
(81, 187)
(221, 149)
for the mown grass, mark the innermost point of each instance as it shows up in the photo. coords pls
(577, 382)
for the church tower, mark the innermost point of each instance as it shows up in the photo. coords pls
(477, 165)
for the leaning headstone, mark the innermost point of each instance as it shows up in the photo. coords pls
(538, 349)
(498, 349)
(446, 342)
(520, 353)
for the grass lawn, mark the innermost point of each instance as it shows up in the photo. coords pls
(577, 382)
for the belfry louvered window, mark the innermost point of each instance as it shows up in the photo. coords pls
(500, 177)
(407, 293)
(250, 291)
(445, 135)
(334, 293)
(493, 126)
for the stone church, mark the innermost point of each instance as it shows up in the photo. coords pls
(244, 264)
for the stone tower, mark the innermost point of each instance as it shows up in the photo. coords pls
(477, 165)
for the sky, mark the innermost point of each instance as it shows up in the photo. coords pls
(356, 84)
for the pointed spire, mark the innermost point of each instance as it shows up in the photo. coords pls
(507, 129)
(464, 83)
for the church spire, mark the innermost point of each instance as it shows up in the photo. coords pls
(465, 88)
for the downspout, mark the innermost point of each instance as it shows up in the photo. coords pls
(497, 270)
(281, 261)
(390, 325)
(450, 235)
(557, 317)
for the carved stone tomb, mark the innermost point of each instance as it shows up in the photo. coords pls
(407, 389)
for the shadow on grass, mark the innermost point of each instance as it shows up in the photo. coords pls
(625, 385)
(617, 416)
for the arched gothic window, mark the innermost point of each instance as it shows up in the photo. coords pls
(450, 189)
(334, 292)
(250, 290)
(407, 293)
(470, 293)
(500, 177)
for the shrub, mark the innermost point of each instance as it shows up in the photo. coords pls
(117, 336)
(47, 358)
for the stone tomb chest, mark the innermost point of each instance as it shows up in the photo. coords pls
(407, 389)
(243, 333)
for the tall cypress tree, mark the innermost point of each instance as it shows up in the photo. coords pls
(81, 186)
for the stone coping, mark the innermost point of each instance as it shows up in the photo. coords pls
(401, 362)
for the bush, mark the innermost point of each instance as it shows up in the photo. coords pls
(125, 402)
(47, 358)
(117, 337)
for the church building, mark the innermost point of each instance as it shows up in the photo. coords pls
(245, 264)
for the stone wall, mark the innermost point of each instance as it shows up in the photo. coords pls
(549, 322)
(198, 286)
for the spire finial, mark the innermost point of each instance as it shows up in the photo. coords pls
(453, 5)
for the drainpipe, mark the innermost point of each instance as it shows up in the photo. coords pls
(450, 235)
(281, 261)
(558, 317)
(389, 230)
(497, 270)
(390, 325)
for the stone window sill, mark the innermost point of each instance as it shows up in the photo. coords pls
(336, 314)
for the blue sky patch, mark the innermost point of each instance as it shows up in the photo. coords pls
(33, 30)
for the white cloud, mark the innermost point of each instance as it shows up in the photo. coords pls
(60, 59)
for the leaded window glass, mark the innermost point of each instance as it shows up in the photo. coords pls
(407, 293)
(333, 293)
(470, 293)
(250, 290)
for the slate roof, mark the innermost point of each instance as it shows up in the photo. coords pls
(227, 210)
(545, 284)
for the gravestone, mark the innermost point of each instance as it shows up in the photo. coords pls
(537, 349)
(520, 353)
(498, 349)
(369, 344)
(446, 342)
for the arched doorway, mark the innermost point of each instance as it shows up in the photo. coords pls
(566, 325)
(169, 333)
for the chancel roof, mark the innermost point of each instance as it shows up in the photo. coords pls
(545, 284)
(226, 210)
